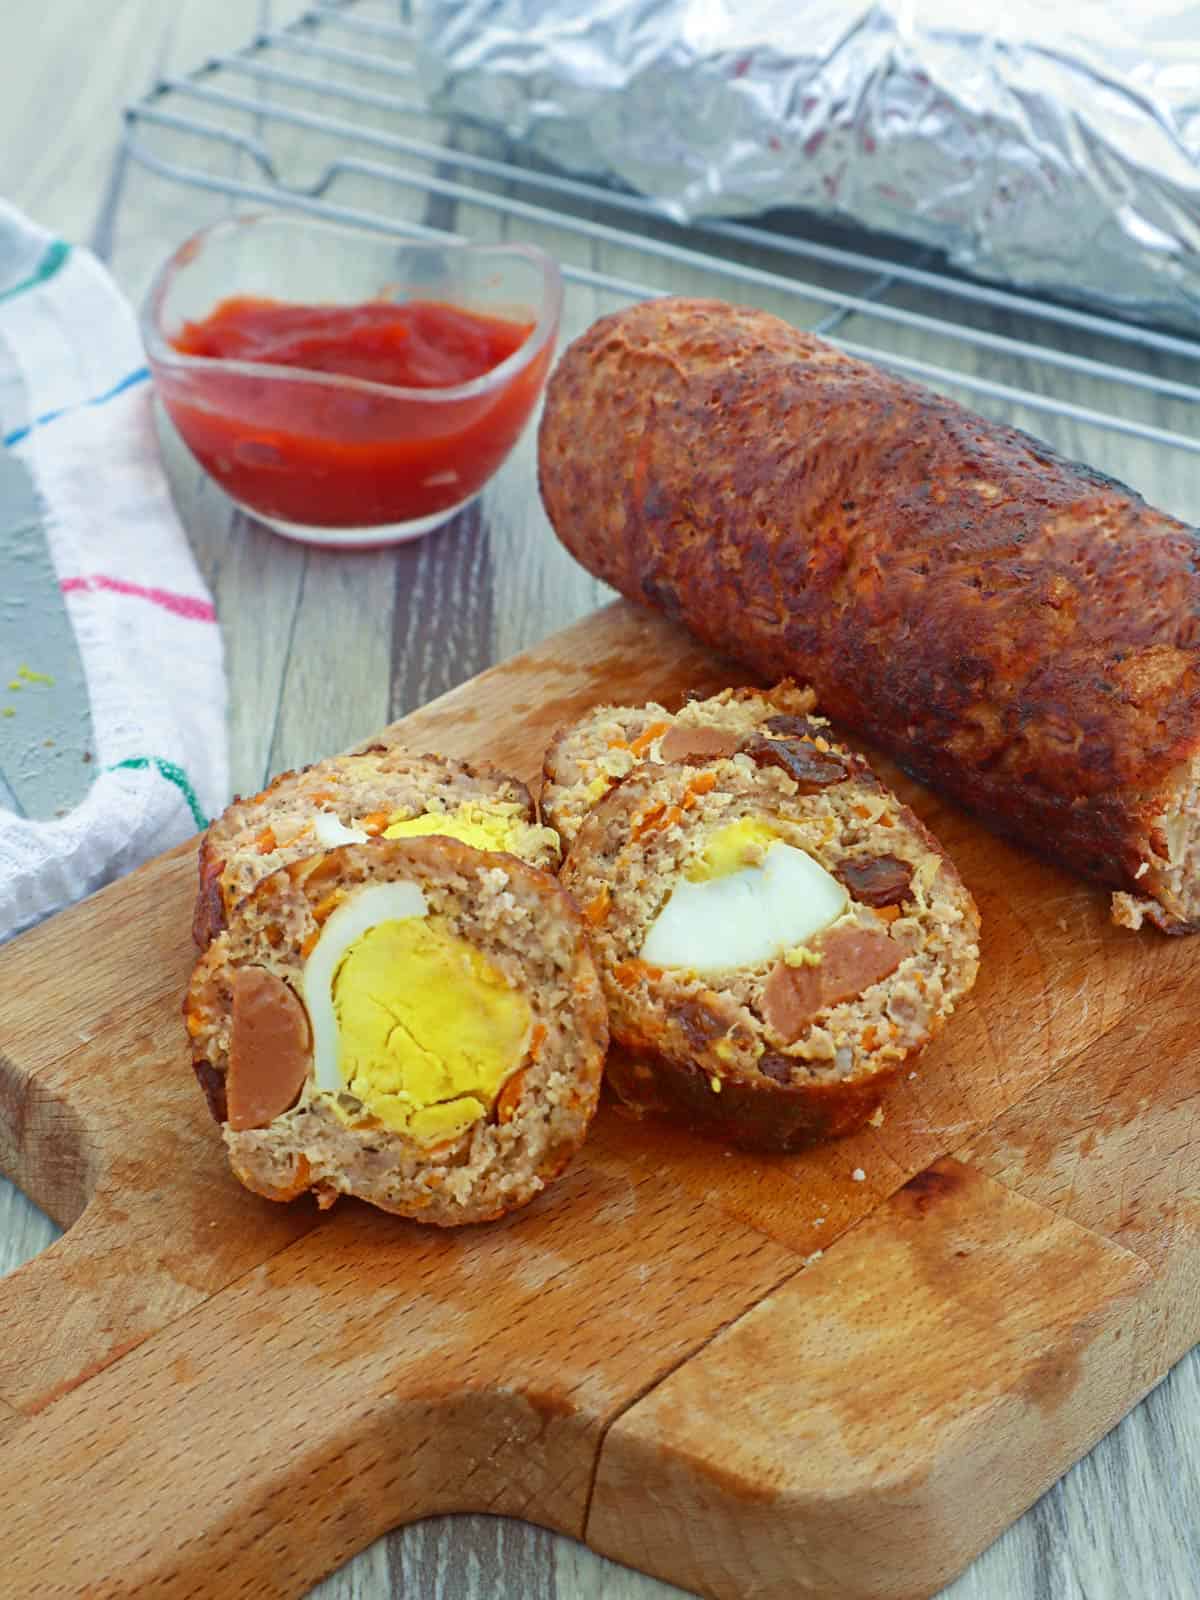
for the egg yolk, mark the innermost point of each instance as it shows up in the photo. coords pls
(741, 844)
(429, 1028)
(498, 829)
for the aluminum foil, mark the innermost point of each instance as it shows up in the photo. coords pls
(1057, 148)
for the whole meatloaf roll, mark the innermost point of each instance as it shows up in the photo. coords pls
(775, 933)
(377, 790)
(1018, 630)
(587, 759)
(417, 1022)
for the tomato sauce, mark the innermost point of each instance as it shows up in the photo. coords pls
(331, 455)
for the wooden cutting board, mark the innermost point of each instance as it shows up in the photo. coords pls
(840, 1373)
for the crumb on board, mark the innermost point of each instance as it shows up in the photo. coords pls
(875, 1120)
(9, 711)
(858, 1175)
(28, 675)
(814, 1257)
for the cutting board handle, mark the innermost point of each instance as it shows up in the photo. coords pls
(45, 1145)
(52, 1308)
(120, 1151)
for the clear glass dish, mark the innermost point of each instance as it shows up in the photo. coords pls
(336, 460)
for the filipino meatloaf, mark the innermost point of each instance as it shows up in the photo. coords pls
(1018, 630)
(585, 760)
(378, 789)
(775, 933)
(415, 1022)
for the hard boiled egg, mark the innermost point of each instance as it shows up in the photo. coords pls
(746, 917)
(413, 1021)
(330, 831)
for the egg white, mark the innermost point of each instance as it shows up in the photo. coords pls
(747, 917)
(361, 911)
(330, 831)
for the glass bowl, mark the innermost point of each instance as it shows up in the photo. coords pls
(338, 460)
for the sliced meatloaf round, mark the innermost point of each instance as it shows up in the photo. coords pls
(379, 789)
(776, 934)
(415, 1022)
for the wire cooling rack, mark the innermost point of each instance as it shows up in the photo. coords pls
(325, 114)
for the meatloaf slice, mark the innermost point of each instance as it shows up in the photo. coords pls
(773, 943)
(412, 1021)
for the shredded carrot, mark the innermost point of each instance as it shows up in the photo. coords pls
(312, 870)
(627, 973)
(326, 907)
(194, 1024)
(536, 1040)
(703, 783)
(660, 818)
(266, 841)
(375, 822)
(647, 821)
(862, 811)
(321, 798)
(642, 743)
(309, 945)
(893, 1031)
(870, 1040)
(597, 907)
(888, 913)
(617, 744)
(509, 1097)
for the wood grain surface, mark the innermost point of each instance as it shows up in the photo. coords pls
(320, 650)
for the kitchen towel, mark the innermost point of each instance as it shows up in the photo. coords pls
(112, 685)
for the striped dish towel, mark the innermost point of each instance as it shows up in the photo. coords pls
(112, 688)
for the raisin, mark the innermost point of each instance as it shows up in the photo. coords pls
(776, 1067)
(788, 727)
(811, 768)
(877, 880)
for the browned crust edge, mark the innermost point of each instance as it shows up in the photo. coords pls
(750, 1115)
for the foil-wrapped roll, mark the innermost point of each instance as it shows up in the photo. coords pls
(1054, 148)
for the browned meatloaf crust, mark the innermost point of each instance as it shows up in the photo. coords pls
(1020, 631)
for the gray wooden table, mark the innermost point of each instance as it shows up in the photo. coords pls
(322, 649)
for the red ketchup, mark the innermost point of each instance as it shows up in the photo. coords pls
(329, 455)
